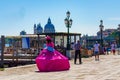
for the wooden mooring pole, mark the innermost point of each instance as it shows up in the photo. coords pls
(2, 51)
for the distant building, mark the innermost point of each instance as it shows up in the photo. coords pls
(38, 28)
(23, 32)
(49, 27)
(35, 29)
(106, 32)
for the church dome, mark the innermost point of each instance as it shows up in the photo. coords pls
(49, 27)
(23, 32)
(39, 28)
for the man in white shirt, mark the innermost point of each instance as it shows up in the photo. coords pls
(96, 51)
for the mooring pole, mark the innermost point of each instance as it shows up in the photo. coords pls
(2, 51)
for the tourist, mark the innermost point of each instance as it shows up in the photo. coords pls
(77, 48)
(105, 50)
(96, 50)
(113, 47)
(50, 59)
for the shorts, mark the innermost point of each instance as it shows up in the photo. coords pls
(113, 50)
(96, 52)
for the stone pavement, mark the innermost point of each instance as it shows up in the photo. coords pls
(108, 68)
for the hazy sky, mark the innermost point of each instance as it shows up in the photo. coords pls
(18, 15)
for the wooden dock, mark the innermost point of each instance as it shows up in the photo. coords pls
(11, 61)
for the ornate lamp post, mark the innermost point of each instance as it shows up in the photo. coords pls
(101, 32)
(68, 23)
(86, 37)
(118, 30)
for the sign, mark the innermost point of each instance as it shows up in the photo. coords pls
(25, 42)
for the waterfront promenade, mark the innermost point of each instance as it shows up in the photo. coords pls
(108, 68)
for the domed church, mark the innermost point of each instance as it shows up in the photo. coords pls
(49, 27)
(38, 28)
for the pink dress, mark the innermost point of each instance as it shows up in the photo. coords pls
(51, 60)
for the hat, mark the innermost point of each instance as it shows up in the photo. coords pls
(48, 38)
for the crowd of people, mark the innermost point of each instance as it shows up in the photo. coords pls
(97, 48)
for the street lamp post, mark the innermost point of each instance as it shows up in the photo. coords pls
(101, 33)
(118, 29)
(86, 39)
(68, 23)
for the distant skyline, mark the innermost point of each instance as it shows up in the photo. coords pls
(18, 15)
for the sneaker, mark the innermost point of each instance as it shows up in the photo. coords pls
(97, 59)
(80, 63)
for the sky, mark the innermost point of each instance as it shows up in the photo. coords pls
(18, 15)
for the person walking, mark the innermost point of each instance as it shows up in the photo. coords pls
(113, 46)
(77, 48)
(105, 49)
(96, 50)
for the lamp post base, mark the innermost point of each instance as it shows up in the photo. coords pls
(68, 54)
